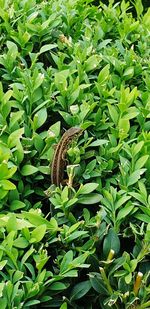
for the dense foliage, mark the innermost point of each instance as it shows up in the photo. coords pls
(68, 63)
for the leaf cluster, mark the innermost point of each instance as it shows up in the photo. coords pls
(64, 64)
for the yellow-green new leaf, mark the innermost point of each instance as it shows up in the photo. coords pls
(38, 233)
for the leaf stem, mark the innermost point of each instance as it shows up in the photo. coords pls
(104, 277)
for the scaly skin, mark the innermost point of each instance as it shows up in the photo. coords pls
(58, 163)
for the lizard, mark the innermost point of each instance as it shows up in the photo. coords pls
(58, 162)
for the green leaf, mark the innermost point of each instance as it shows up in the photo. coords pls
(64, 306)
(113, 113)
(78, 262)
(142, 217)
(128, 278)
(14, 117)
(80, 289)
(28, 170)
(146, 210)
(3, 301)
(124, 127)
(21, 242)
(103, 75)
(32, 16)
(142, 188)
(13, 50)
(121, 201)
(98, 142)
(139, 7)
(61, 80)
(118, 263)
(134, 177)
(98, 283)
(37, 220)
(129, 72)
(87, 188)
(67, 117)
(38, 233)
(124, 212)
(12, 223)
(141, 162)
(71, 273)
(67, 259)
(7, 185)
(47, 47)
(14, 137)
(111, 241)
(74, 227)
(2, 285)
(58, 286)
(138, 197)
(75, 235)
(38, 142)
(131, 113)
(92, 62)
(92, 198)
(133, 264)
(2, 264)
(146, 18)
(55, 128)
(17, 276)
(31, 303)
(138, 147)
(38, 81)
(39, 118)
(44, 169)
(27, 255)
(15, 205)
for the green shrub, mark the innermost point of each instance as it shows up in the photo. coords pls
(65, 64)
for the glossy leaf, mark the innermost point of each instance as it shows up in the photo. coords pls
(28, 170)
(80, 289)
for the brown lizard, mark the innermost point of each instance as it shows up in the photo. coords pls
(58, 163)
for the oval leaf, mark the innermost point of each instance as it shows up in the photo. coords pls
(111, 241)
(28, 170)
(39, 118)
(38, 233)
(80, 290)
(89, 199)
(87, 188)
(135, 176)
